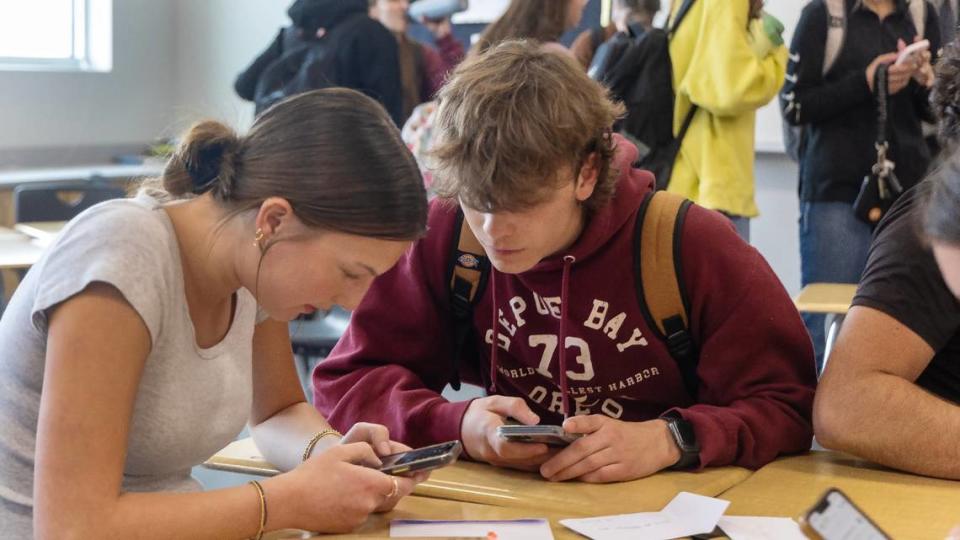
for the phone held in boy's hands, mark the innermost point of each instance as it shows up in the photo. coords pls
(835, 517)
(421, 459)
(549, 435)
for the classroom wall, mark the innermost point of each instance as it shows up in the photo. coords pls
(216, 40)
(131, 103)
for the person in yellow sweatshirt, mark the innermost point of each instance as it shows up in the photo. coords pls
(729, 60)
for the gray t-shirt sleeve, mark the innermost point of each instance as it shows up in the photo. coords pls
(119, 245)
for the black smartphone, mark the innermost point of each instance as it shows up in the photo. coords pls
(549, 435)
(421, 459)
(835, 517)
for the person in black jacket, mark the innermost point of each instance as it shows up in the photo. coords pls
(365, 55)
(839, 113)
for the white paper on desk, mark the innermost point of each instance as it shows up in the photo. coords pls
(760, 528)
(516, 529)
(686, 515)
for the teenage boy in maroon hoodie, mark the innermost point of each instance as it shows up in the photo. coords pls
(524, 146)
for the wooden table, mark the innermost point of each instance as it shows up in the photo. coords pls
(483, 484)
(378, 526)
(904, 505)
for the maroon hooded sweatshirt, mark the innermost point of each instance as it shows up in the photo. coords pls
(756, 368)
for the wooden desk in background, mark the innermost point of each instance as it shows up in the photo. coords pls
(17, 252)
(826, 298)
(378, 526)
(483, 484)
(21, 248)
(832, 300)
(42, 232)
(904, 505)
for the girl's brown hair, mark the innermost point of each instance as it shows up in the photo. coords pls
(541, 20)
(333, 154)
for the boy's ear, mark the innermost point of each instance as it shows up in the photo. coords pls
(589, 175)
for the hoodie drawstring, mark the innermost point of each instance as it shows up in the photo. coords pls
(495, 342)
(568, 261)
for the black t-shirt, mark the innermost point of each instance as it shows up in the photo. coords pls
(902, 280)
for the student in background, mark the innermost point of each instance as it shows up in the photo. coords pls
(838, 112)
(623, 14)
(891, 391)
(331, 43)
(422, 68)
(154, 328)
(541, 20)
(728, 60)
(524, 150)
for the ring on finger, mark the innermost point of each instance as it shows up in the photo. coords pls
(396, 489)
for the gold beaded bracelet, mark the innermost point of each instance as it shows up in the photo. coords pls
(316, 438)
(263, 509)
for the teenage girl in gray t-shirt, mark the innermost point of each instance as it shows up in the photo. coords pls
(135, 349)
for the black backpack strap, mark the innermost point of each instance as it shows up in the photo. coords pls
(468, 270)
(659, 279)
(678, 18)
(682, 14)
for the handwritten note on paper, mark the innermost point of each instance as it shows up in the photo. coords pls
(686, 515)
(517, 529)
(760, 528)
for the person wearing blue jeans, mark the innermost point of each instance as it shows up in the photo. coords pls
(833, 249)
(835, 103)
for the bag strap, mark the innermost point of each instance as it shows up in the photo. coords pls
(836, 32)
(880, 90)
(659, 277)
(678, 18)
(468, 271)
(672, 26)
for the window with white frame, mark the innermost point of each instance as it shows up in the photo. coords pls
(56, 35)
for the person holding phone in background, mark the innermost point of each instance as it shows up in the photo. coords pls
(558, 336)
(834, 101)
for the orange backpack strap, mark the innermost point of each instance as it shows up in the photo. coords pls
(468, 270)
(659, 279)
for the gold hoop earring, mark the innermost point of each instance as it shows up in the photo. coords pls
(258, 238)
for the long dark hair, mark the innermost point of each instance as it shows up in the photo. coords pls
(540, 20)
(334, 154)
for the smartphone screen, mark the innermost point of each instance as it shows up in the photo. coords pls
(835, 517)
